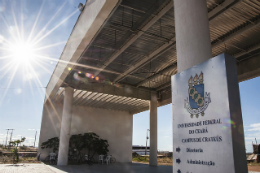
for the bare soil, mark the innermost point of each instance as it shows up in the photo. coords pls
(9, 160)
(161, 161)
(254, 168)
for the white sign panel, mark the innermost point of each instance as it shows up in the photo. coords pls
(208, 132)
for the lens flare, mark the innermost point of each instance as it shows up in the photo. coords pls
(76, 76)
(88, 75)
(22, 52)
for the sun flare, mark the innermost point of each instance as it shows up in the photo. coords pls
(22, 53)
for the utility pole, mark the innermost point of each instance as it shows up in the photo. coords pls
(146, 141)
(20, 142)
(6, 137)
(11, 134)
(35, 138)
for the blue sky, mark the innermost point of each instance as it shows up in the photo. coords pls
(22, 86)
(48, 25)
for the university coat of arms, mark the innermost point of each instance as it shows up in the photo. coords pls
(198, 101)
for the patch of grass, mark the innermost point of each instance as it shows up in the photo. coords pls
(6, 159)
(141, 159)
(161, 161)
(9, 160)
(253, 164)
(165, 161)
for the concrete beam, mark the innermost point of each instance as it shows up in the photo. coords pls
(221, 8)
(65, 127)
(248, 51)
(165, 98)
(153, 77)
(249, 68)
(144, 61)
(230, 37)
(88, 25)
(140, 33)
(139, 110)
(153, 130)
(122, 90)
(211, 15)
(235, 34)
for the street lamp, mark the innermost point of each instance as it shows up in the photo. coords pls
(146, 141)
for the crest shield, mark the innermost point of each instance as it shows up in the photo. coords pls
(198, 100)
(196, 96)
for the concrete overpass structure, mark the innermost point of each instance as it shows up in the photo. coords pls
(121, 55)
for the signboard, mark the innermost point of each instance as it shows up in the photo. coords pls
(208, 131)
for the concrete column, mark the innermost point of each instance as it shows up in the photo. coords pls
(192, 33)
(153, 129)
(65, 127)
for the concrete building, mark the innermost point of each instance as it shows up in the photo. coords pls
(121, 54)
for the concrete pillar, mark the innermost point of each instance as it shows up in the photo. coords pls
(192, 33)
(153, 129)
(65, 127)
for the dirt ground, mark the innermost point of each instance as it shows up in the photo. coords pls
(9, 160)
(255, 168)
(168, 161)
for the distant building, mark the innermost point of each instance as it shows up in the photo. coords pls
(140, 149)
(255, 156)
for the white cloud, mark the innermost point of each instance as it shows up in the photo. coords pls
(28, 138)
(252, 133)
(31, 129)
(254, 127)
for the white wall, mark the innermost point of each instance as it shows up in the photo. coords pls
(114, 126)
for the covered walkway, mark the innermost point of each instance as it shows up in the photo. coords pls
(121, 54)
(96, 168)
(113, 168)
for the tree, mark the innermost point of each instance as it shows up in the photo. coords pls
(90, 141)
(51, 143)
(15, 150)
(94, 144)
(77, 142)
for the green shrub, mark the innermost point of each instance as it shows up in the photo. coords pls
(51, 143)
(15, 149)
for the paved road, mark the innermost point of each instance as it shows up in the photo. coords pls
(115, 168)
(96, 168)
(25, 168)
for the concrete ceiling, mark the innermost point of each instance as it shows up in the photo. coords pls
(135, 48)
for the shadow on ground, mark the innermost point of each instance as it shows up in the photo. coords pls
(112, 168)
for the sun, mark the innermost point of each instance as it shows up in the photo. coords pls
(22, 52)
